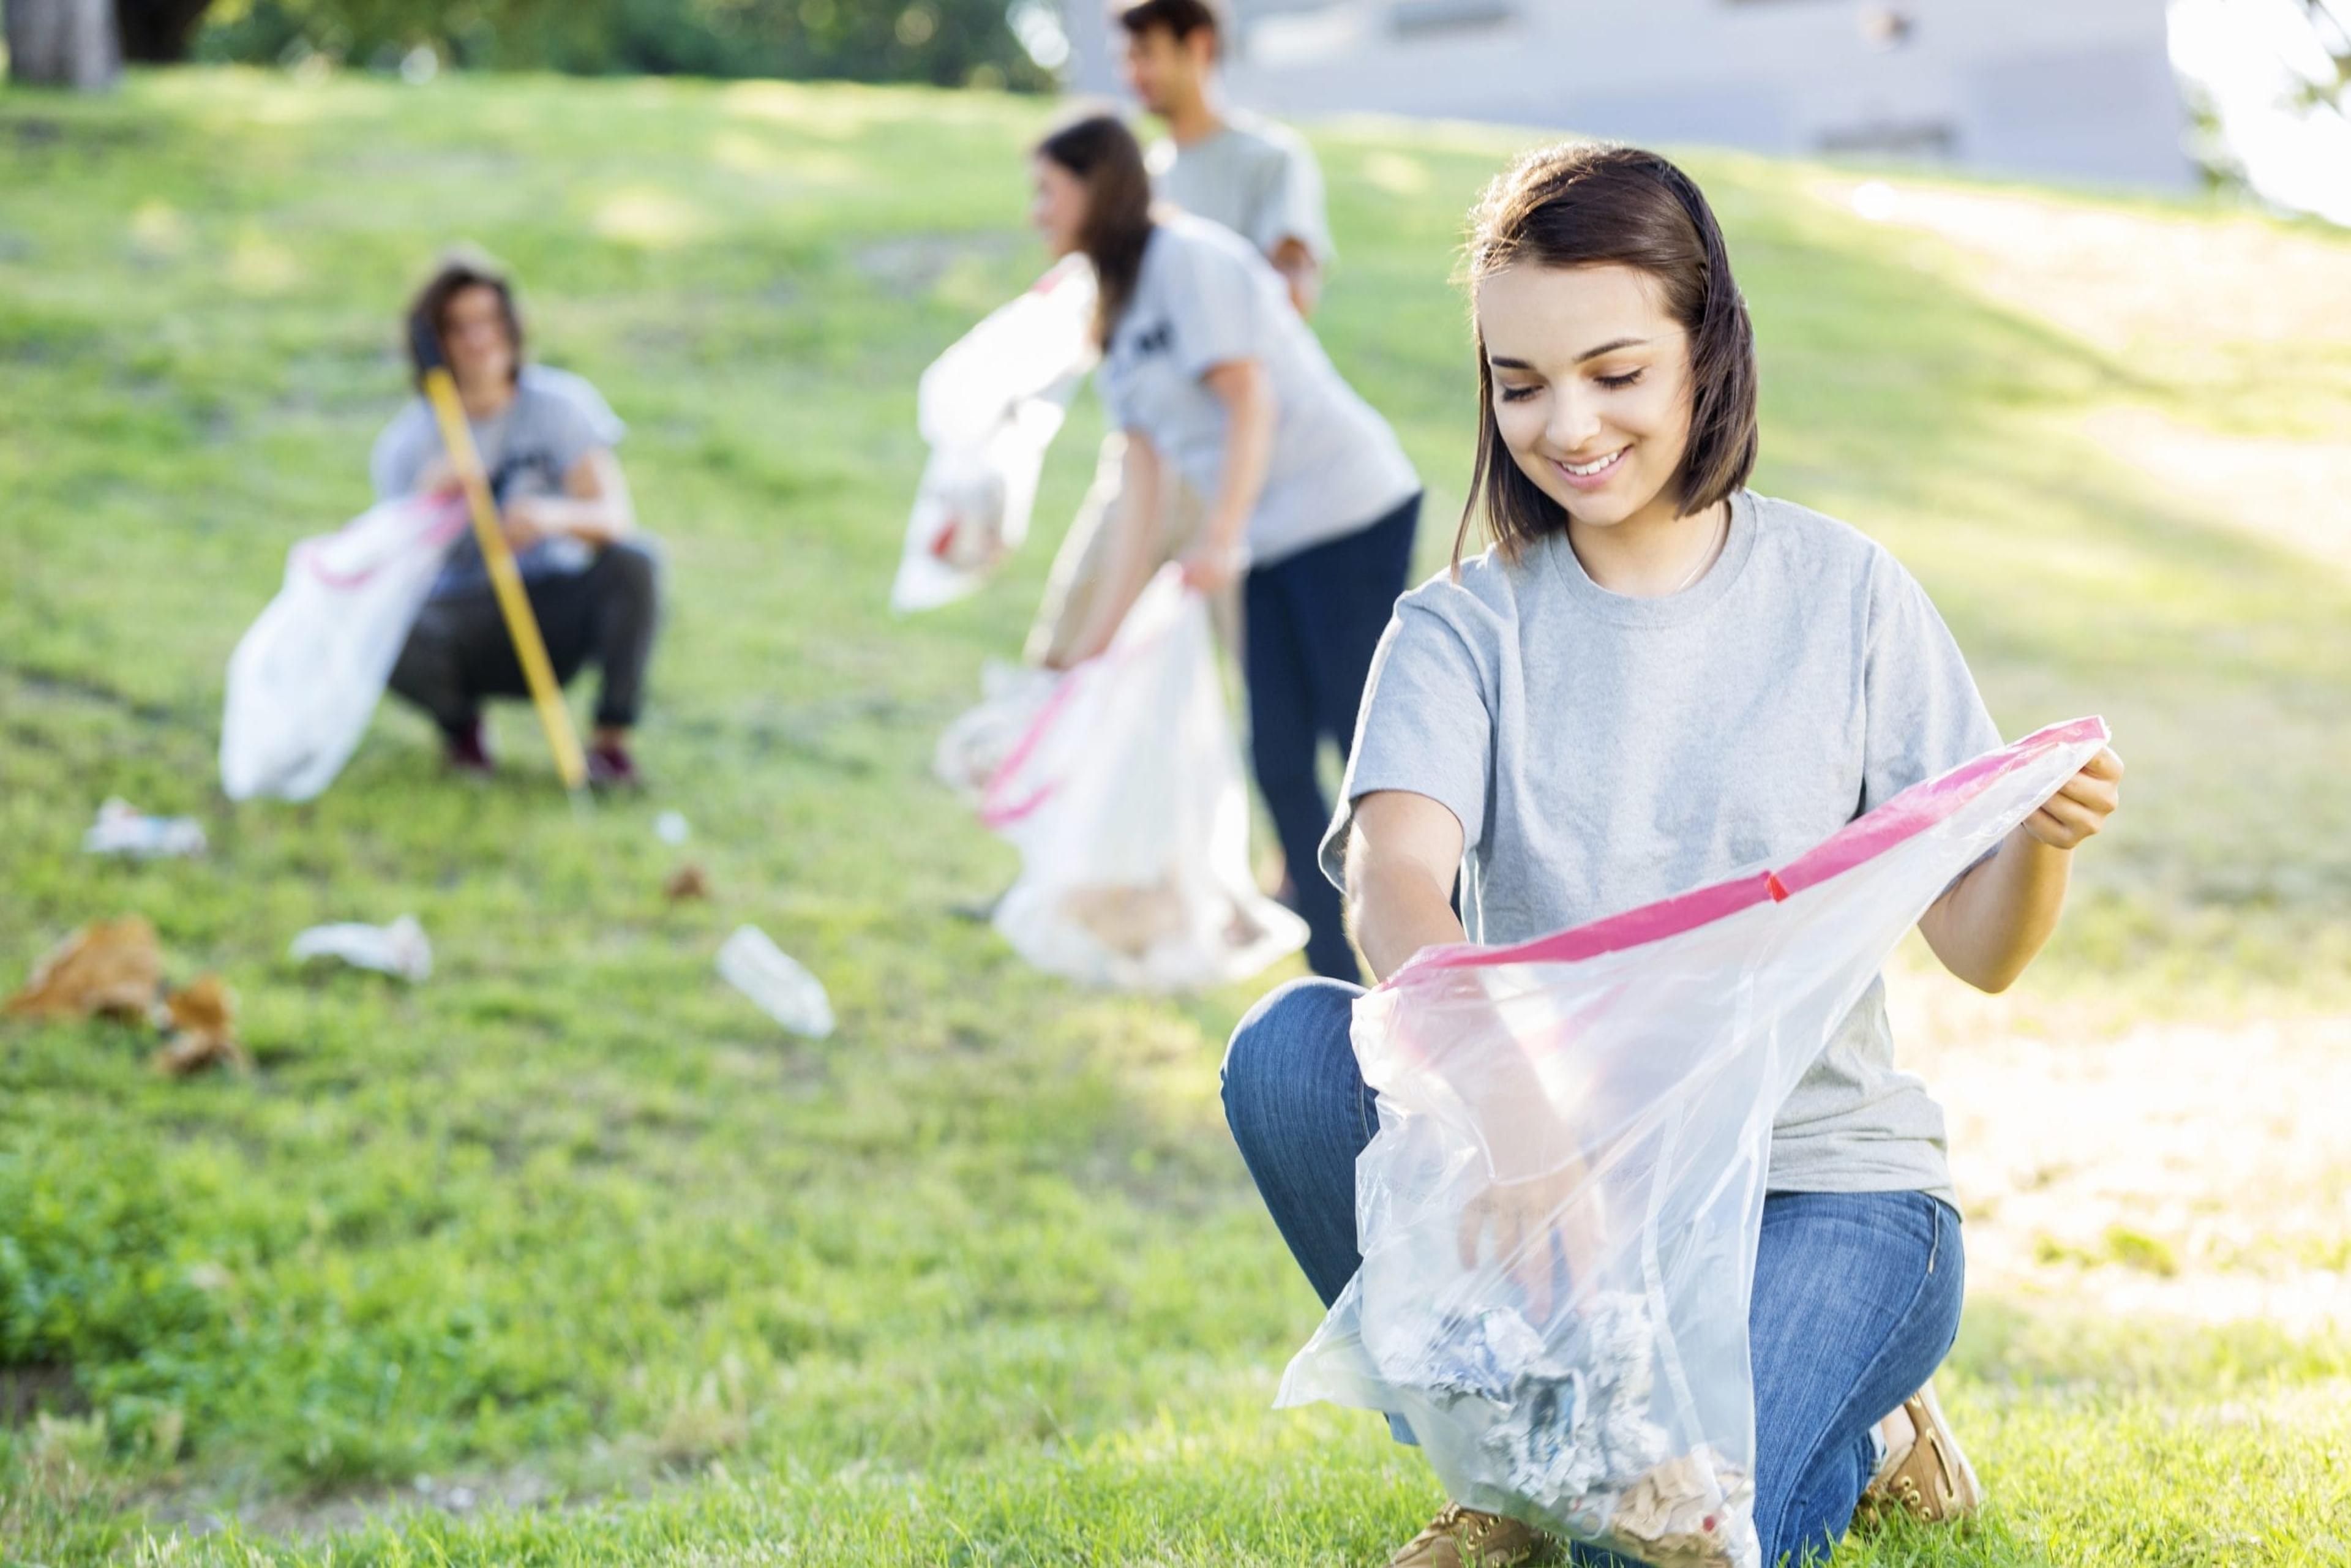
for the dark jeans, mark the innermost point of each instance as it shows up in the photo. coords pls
(1311, 623)
(459, 653)
(1856, 1294)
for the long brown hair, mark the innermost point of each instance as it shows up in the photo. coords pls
(1104, 157)
(1593, 204)
(458, 271)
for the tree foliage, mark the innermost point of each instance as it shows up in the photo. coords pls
(945, 42)
(158, 31)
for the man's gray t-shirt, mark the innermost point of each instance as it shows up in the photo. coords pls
(1255, 177)
(555, 418)
(1204, 298)
(1603, 752)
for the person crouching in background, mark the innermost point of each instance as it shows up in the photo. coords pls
(546, 439)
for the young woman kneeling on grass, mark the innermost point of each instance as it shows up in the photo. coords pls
(546, 438)
(1207, 365)
(1654, 678)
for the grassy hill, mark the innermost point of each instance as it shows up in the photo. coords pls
(566, 1256)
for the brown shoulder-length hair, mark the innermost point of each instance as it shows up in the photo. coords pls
(1101, 152)
(1593, 204)
(459, 271)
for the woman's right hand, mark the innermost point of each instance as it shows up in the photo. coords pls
(1545, 1233)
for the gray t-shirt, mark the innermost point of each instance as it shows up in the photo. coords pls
(1204, 298)
(555, 419)
(1257, 178)
(1603, 752)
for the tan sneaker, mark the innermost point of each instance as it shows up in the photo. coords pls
(1464, 1538)
(1931, 1479)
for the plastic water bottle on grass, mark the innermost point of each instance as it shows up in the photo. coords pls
(785, 991)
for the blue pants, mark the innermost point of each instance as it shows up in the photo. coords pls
(1857, 1296)
(1310, 624)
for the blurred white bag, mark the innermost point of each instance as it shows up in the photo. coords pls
(973, 748)
(1125, 799)
(306, 676)
(988, 407)
(1627, 1072)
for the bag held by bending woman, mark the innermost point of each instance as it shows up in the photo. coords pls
(1125, 797)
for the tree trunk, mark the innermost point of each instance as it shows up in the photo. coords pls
(63, 43)
(158, 31)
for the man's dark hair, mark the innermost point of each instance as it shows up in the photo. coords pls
(430, 309)
(1181, 17)
(1593, 204)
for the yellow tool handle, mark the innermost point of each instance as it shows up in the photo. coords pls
(505, 579)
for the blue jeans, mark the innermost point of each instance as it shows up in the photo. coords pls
(1857, 1296)
(1311, 623)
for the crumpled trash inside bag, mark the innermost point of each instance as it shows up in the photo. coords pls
(1124, 795)
(123, 829)
(751, 961)
(972, 748)
(108, 969)
(200, 1021)
(1630, 1068)
(1572, 1424)
(400, 948)
(990, 407)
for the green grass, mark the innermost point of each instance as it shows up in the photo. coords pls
(981, 1279)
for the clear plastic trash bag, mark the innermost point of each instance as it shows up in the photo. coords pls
(990, 407)
(1125, 797)
(1594, 1381)
(306, 676)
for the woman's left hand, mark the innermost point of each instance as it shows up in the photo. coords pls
(2082, 805)
(1212, 566)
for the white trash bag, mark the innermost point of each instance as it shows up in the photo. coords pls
(1595, 1383)
(972, 748)
(305, 677)
(1125, 799)
(990, 407)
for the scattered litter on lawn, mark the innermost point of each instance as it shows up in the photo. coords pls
(400, 948)
(785, 991)
(123, 829)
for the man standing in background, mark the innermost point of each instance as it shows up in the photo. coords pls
(1256, 178)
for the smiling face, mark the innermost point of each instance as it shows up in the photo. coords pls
(1592, 387)
(474, 335)
(1058, 211)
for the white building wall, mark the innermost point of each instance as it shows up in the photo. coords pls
(2070, 88)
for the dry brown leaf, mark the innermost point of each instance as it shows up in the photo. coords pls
(688, 881)
(112, 969)
(203, 1028)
